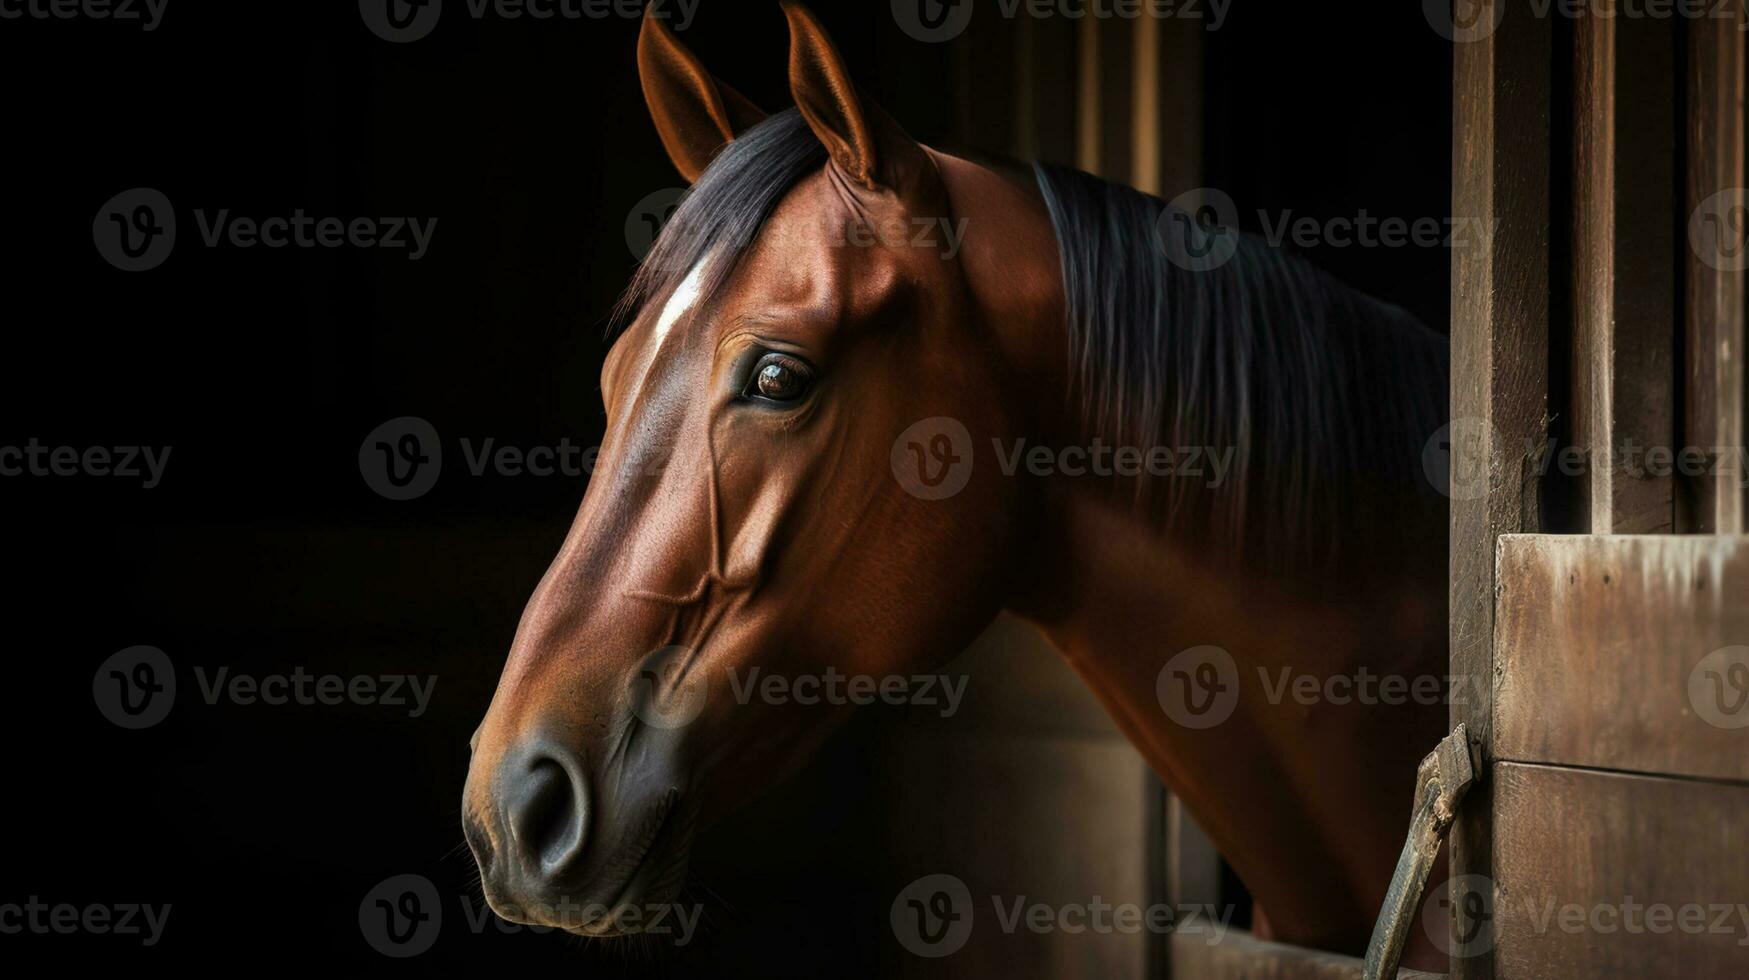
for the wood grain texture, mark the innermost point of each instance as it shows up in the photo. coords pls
(1242, 956)
(1499, 385)
(1624, 280)
(1715, 310)
(1598, 644)
(1585, 857)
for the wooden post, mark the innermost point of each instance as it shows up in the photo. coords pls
(1499, 385)
(1715, 334)
(1624, 270)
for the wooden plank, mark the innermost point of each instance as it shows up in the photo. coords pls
(1088, 107)
(1187, 871)
(1166, 149)
(1104, 57)
(1145, 93)
(1193, 868)
(1624, 289)
(1116, 67)
(1604, 875)
(1715, 314)
(1617, 653)
(1242, 956)
(1499, 384)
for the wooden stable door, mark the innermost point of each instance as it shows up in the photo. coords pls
(1600, 576)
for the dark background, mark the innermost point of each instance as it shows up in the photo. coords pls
(264, 369)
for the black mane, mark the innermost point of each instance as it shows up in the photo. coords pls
(1326, 396)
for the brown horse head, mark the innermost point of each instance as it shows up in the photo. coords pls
(808, 303)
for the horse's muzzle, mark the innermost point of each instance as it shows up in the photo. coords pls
(542, 826)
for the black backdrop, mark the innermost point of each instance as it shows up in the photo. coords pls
(263, 550)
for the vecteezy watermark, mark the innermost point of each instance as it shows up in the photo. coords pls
(941, 235)
(1206, 464)
(647, 218)
(402, 917)
(934, 916)
(933, 460)
(1199, 687)
(402, 458)
(1464, 21)
(1547, 914)
(136, 688)
(1460, 919)
(678, 923)
(1718, 230)
(1368, 687)
(136, 231)
(401, 21)
(148, 14)
(64, 919)
(671, 686)
(1718, 688)
(669, 691)
(833, 687)
(1460, 923)
(144, 463)
(1460, 456)
(1199, 230)
(933, 21)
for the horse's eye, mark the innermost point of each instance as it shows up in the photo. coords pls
(779, 378)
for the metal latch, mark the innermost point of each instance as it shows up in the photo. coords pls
(1440, 783)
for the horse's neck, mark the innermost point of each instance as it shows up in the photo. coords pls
(1305, 799)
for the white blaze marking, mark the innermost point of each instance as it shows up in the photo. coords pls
(681, 299)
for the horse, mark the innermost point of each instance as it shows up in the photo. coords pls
(797, 476)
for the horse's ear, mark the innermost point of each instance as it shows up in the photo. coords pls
(695, 114)
(862, 139)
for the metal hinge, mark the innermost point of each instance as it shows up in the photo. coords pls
(1440, 783)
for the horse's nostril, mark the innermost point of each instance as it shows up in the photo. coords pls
(547, 811)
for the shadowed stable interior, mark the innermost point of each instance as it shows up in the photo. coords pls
(264, 552)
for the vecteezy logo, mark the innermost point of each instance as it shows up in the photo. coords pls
(1718, 230)
(647, 218)
(932, 21)
(1463, 21)
(135, 230)
(135, 688)
(932, 916)
(1459, 456)
(1718, 688)
(400, 21)
(932, 459)
(401, 458)
(401, 917)
(1199, 229)
(1199, 687)
(1461, 920)
(667, 691)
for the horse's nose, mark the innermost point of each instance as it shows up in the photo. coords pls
(543, 796)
